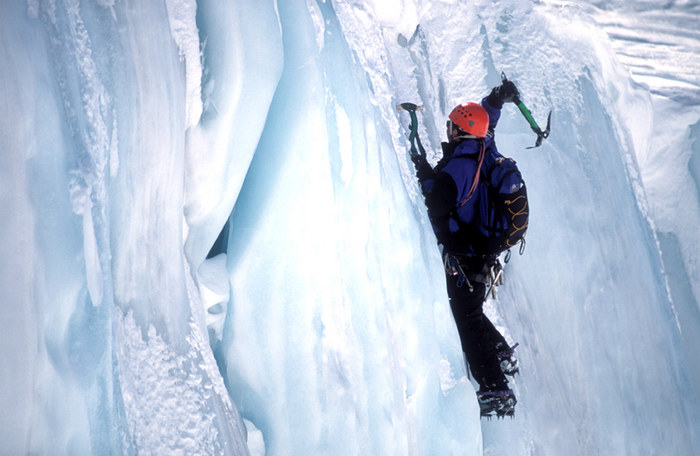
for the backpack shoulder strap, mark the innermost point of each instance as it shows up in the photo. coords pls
(477, 174)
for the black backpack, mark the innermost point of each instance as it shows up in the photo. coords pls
(502, 210)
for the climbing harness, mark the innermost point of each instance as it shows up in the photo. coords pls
(492, 276)
(454, 268)
(496, 278)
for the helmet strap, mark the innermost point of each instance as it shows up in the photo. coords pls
(461, 134)
(465, 135)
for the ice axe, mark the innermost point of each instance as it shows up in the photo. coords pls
(413, 136)
(531, 120)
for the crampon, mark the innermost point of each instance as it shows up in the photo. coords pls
(497, 403)
(506, 359)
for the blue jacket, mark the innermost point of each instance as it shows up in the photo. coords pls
(446, 187)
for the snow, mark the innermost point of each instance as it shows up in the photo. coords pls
(131, 132)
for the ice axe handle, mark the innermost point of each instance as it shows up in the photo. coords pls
(528, 116)
(533, 124)
(416, 145)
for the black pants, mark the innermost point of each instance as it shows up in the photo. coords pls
(478, 335)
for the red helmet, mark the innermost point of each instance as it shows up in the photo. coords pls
(472, 118)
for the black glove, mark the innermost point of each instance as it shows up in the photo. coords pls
(423, 169)
(504, 93)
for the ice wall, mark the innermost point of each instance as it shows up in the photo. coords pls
(104, 343)
(576, 298)
(331, 346)
(18, 332)
(659, 44)
(592, 279)
(122, 155)
(242, 58)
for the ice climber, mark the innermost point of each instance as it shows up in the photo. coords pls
(477, 203)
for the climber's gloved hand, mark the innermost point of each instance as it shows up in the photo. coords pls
(417, 159)
(504, 93)
(423, 169)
